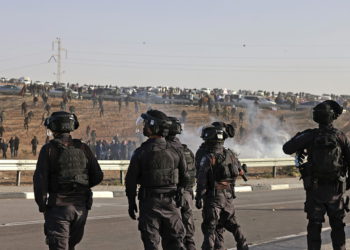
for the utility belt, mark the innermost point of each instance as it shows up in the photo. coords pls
(313, 183)
(149, 193)
(223, 185)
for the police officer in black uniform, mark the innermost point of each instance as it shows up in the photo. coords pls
(324, 173)
(65, 172)
(217, 173)
(161, 172)
(187, 206)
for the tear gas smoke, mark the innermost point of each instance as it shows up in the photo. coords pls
(264, 137)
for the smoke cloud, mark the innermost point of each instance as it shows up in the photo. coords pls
(265, 136)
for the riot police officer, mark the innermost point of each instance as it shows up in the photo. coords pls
(161, 172)
(65, 172)
(187, 206)
(217, 173)
(324, 174)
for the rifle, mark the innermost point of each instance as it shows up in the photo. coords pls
(245, 170)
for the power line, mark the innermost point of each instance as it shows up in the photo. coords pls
(213, 57)
(21, 56)
(165, 67)
(204, 65)
(22, 67)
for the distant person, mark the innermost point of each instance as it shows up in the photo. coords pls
(35, 101)
(47, 108)
(136, 107)
(2, 116)
(120, 104)
(282, 120)
(233, 110)
(26, 123)
(241, 117)
(30, 115)
(93, 136)
(88, 129)
(24, 107)
(4, 147)
(34, 142)
(16, 145)
(184, 116)
(94, 102)
(102, 110)
(242, 132)
(63, 106)
(2, 130)
(72, 109)
(12, 147)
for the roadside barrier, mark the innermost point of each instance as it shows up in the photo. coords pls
(122, 166)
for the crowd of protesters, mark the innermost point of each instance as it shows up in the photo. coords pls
(114, 150)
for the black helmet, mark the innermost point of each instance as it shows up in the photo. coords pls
(62, 122)
(175, 127)
(157, 121)
(229, 130)
(213, 133)
(326, 112)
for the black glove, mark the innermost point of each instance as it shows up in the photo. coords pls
(199, 203)
(132, 208)
(42, 209)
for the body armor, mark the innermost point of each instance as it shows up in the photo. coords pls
(159, 169)
(225, 166)
(70, 168)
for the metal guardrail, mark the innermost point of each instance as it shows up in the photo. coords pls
(122, 166)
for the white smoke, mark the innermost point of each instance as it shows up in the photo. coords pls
(264, 137)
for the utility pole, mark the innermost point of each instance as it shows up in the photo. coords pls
(58, 60)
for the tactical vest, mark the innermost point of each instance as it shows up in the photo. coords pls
(158, 167)
(225, 167)
(70, 167)
(191, 168)
(326, 156)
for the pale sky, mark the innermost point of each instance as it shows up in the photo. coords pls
(280, 45)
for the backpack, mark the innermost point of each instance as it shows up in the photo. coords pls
(70, 169)
(326, 157)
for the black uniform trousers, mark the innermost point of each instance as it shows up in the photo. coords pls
(159, 217)
(64, 226)
(219, 212)
(316, 208)
(187, 220)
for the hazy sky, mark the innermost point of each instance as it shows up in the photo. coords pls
(281, 45)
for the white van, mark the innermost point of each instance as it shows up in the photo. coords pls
(25, 79)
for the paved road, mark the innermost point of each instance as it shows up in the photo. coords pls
(265, 216)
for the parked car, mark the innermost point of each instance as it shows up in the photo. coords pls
(251, 99)
(10, 89)
(58, 92)
(3, 79)
(307, 105)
